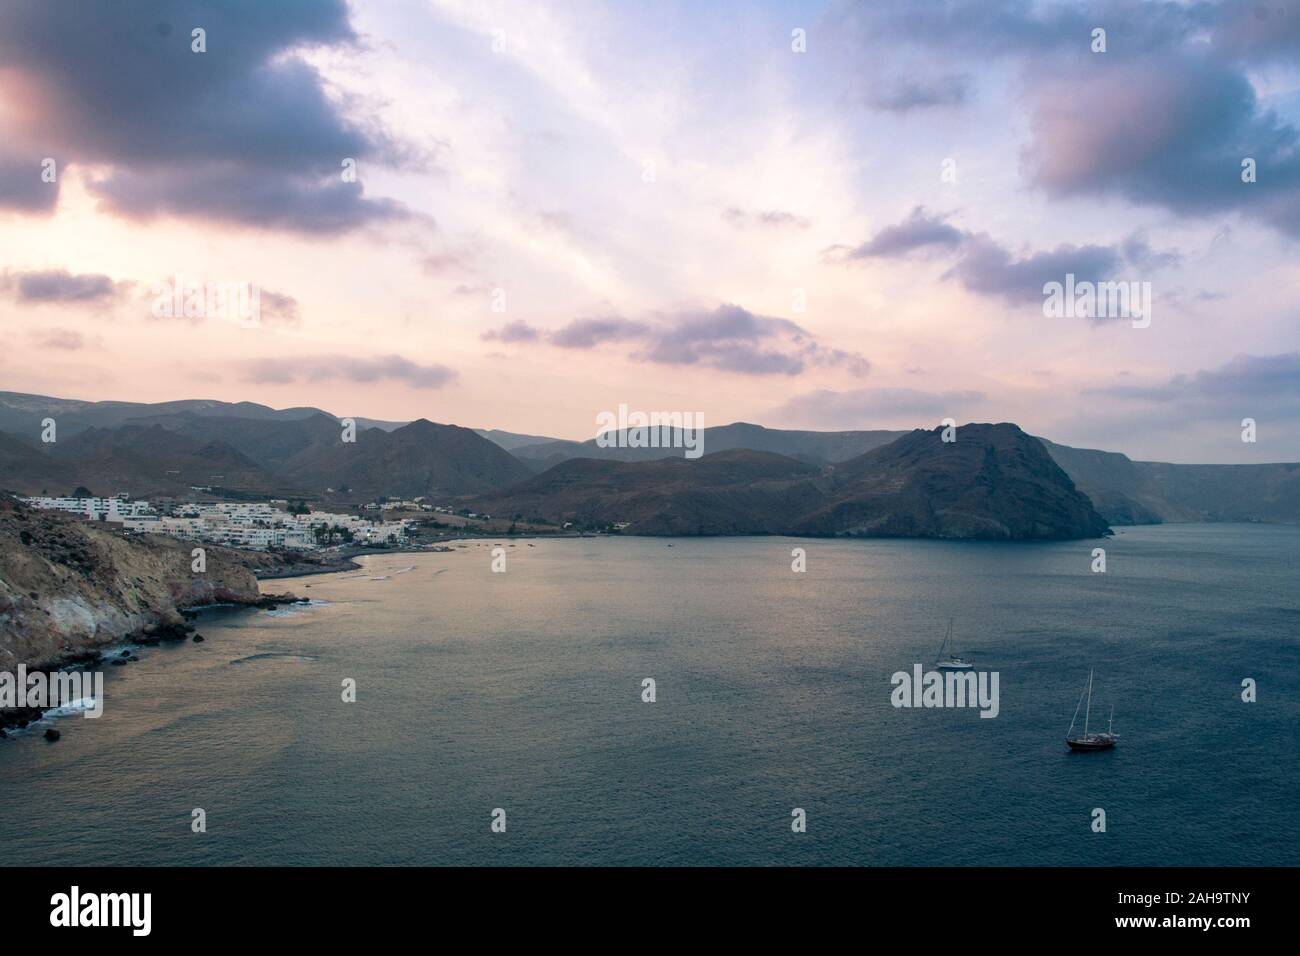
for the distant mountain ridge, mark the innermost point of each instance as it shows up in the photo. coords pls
(994, 482)
(168, 448)
(513, 441)
(804, 445)
(1147, 492)
(22, 414)
(297, 451)
(420, 459)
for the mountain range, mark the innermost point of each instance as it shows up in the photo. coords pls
(994, 481)
(1122, 490)
(806, 446)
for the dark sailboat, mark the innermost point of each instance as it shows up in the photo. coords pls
(1093, 740)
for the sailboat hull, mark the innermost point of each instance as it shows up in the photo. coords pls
(1090, 740)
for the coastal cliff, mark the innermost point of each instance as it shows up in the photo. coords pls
(69, 587)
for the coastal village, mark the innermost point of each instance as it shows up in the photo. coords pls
(289, 525)
(260, 526)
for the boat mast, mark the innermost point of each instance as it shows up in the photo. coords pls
(946, 636)
(1088, 713)
(1076, 715)
(1110, 725)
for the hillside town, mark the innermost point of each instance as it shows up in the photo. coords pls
(260, 526)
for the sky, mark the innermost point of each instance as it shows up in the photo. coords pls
(521, 215)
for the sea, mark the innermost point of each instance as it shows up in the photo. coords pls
(503, 717)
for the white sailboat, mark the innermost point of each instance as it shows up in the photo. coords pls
(1090, 740)
(951, 662)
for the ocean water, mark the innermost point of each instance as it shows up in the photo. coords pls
(522, 691)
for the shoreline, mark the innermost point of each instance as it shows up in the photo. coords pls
(348, 561)
(123, 652)
(346, 564)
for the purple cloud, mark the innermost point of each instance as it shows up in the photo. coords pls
(60, 286)
(242, 133)
(1164, 117)
(920, 94)
(278, 307)
(775, 218)
(392, 368)
(990, 269)
(920, 230)
(728, 338)
(518, 331)
(1259, 380)
(588, 333)
(21, 187)
(986, 267)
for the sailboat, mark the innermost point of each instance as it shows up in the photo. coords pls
(1090, 740)
(951, 662)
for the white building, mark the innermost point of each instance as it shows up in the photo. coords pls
(255, 525)
(116, 509)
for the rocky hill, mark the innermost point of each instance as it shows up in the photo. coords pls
(271, 442)
(993, 482)
(422, 458)
(68, 587)
(154, 459)
(26, 467)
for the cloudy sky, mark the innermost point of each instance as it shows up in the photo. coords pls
(816, 215)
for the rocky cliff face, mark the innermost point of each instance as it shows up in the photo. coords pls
(991, 482)
(68, 587)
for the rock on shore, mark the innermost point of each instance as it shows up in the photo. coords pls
(69, 586)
